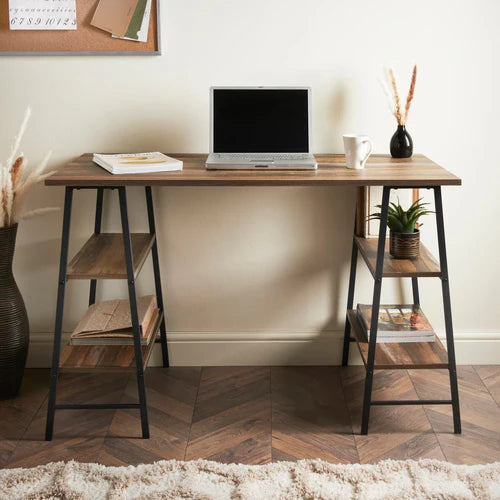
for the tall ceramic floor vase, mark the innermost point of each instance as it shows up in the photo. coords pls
(14, 326)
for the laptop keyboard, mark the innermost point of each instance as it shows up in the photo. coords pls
(258, 156)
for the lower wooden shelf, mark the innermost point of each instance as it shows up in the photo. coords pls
(105, 358)
(410, 355)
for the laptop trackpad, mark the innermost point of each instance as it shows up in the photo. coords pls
(262, 160)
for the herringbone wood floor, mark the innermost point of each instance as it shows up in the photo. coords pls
(254, 415)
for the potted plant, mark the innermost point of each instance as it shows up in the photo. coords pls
(404, 234)
(15, 181)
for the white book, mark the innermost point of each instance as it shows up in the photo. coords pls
(404, 340)
(137, 163)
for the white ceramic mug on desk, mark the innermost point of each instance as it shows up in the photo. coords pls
(357, 149)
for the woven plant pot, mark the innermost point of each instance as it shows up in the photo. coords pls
(14, 326)
(405, 245)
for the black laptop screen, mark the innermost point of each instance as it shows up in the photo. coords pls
(260, 121)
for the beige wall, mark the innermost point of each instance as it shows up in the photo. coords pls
(254, 264)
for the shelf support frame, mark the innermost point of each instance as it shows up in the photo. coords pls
(97, 230)
(445, 284)
(63, 278)
(350, 295)
(157, 276)
(61, 289)
(377, 290)
(136, 329)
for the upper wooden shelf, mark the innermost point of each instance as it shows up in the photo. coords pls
(103, 256)
(380, 170)
(106, 358)
(404, 356)
(425, 265)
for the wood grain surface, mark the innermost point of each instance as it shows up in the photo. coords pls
(380, 170)
(308, 411)
(425, 265)
(103, 256)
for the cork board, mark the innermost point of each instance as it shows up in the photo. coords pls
(85, 40)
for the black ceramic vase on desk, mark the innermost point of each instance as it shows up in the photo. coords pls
(401, 143)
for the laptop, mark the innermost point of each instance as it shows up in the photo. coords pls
(260, 128)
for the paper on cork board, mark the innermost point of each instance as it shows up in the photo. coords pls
(114, 16)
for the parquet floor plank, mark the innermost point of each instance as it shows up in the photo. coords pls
(171, 395)
(397, 432)
(254, 415)
(17, 413)
(78, 434)
(480, 438)
(232, 417)
(490, 376)
(309, 415)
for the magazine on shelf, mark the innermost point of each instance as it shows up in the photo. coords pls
(397, 323)
(137, 163)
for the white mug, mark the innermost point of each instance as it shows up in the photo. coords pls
(357, 150)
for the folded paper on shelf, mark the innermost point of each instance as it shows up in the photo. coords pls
(112, 318)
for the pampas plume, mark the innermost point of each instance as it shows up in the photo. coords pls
(389, 85)
(15, 182)
(411, 93)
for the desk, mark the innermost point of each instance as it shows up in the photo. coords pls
(121, 256)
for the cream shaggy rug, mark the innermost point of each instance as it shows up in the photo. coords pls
(308, 479)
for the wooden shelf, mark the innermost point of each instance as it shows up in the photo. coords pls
(103, 256)
(105, 358)
(425, 265)
(411, 355)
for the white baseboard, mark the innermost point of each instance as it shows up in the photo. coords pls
(272, 348)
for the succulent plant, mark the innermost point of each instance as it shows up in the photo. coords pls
(401, 221)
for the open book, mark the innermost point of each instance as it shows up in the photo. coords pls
(110, 323)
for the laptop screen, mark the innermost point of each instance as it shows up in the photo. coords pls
(260, 120)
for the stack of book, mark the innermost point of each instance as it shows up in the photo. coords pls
(137, 163)
(110, 323)
(397, 323)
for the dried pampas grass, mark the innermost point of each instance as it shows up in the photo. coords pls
(389, 86)
(16, 180)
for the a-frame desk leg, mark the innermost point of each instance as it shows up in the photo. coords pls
(443, 263)
(56, 353)
(377, 289)
(156, 268)
(136, 330)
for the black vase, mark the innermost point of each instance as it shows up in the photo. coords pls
(401, 143)
(14, 326)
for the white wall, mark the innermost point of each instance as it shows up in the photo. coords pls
(262, 264)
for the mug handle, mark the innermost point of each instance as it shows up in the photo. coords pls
(370, 149)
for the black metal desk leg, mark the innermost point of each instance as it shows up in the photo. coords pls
(416, 295)
(377, 289)
(443, 262)
(56, 353)
(127, 244)
(156, 268)
(97, 230)
(350, 296)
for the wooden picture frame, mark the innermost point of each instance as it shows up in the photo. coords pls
(85, 40)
